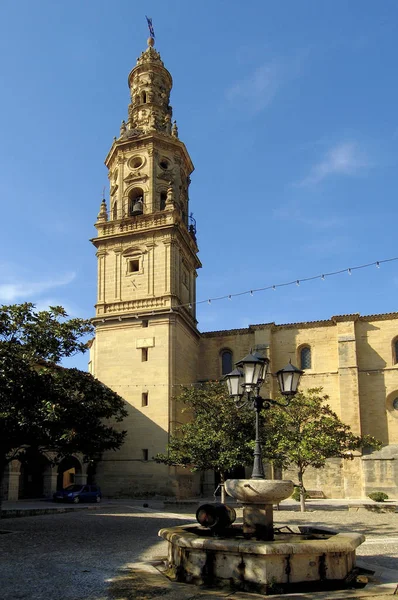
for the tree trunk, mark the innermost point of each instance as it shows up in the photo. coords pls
(302, 490)
(222, 486)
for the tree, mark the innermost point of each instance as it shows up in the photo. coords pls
(46, 406)
(307, 433)
(218, 437)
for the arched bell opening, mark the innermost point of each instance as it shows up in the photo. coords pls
(136, 202)
(162, 200)
(69, 472)
(34, 466)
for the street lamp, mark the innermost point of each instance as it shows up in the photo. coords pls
(246, 380)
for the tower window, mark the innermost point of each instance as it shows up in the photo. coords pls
(145, 454)
(305, 358)
(164, 164)
(143, 97)
(144, 354)
(114, 214)
(395, 351)
(144, 323)
(136, 202)
(163, 198)
(136, 162)
(144, 399)
(134, 265)
(226, 361)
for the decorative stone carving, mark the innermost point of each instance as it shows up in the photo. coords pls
(103, 213)
(174, 130)
(165, 175)
(136, 177)
(170, 196)
(152, 122)
(123, 128)
(167, 124)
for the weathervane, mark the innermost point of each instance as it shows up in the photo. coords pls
(150, 27)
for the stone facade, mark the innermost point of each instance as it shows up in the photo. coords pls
(354, 359)
(147, 343)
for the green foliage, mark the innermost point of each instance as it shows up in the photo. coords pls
(45, 335)
(308, 432)
(46, 406)
(218, 435)
(378, 496)
(296, 494)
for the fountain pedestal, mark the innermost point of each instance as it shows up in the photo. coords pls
(258, 521)
(248, 557)
(257, 497)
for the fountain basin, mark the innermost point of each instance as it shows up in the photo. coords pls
(259, 491)
(196, 557)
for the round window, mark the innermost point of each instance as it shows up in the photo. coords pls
(395, 403)
(135, 162)
(164, 163)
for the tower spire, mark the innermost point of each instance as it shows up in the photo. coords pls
(150, 85)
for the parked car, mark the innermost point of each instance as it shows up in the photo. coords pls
(78, 493)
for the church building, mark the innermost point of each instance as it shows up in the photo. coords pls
(147, 342)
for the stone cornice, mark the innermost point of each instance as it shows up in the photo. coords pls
(154, 138)
(380, 317)
(121, 319)
(303, 325)
(345, 318)
(116, 232)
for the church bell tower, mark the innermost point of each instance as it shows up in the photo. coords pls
(146, 339)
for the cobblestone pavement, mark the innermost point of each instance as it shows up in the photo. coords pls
(77, 555)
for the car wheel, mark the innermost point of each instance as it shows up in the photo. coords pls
(98, 499)
(76, 500)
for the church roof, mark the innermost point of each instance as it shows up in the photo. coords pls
(304, 324)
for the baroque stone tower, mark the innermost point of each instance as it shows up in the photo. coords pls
(146, 341)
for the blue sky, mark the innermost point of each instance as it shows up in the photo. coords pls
(289, 112)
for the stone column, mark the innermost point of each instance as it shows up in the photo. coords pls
(101, 254)
(118, 274)
(348, 371)
(50, 476)
(11, 481)
(81, 478)
(258, 521)
(150, 266)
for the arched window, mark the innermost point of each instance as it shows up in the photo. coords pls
(143, 97)
(395, 351)
(305, 357)
(163, 198)
(136, 201)
(114, 212)
(226, 361)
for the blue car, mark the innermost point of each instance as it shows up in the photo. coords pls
(78, 493)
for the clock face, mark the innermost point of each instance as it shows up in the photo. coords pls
(395, 403)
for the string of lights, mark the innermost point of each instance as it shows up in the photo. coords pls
(297, 282)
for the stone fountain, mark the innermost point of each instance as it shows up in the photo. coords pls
(253, 556)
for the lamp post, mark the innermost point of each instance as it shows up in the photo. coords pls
(246, 380)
